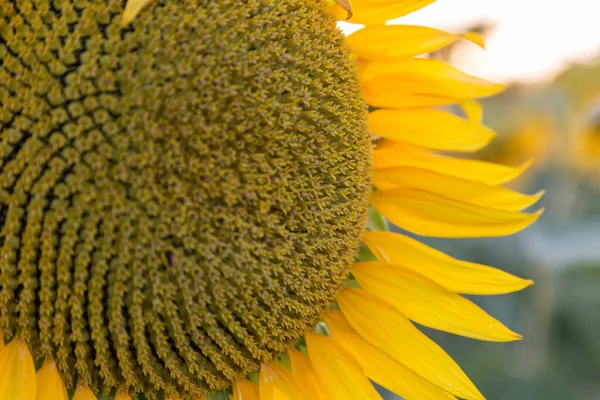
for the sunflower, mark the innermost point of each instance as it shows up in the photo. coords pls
(194, 197)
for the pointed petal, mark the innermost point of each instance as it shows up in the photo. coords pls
(473, 110)
(379, 366)
(50, 385)
(464, 190)
(132, 9)
(245, 390)
(378, 42)
(428, 303)
(455, 275)
(433, 129)
(307, 383)
(17, 380)
(276, 383)
(343, 375)
(474, 170)
(84, 393)
(377, 12)
(427, 214)
(383, 326)
(418, 82)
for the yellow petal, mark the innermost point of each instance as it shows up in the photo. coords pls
(84, 393)
(245, 390)
(386, 328)
(474, 170)
(379, 366)
(434, 129)
(343, 376)
(1, 340)
(427, 214)
(50, 385)
(455, 188)
(416, 82)
(122, 395)
(276, 383)
(378, 11)
(455, 275)
(307, 383)
(475, 37)
(398, 41)
(428, 303)
(132, 9)
(473, 110)
(17, 372)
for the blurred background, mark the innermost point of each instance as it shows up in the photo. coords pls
(550, 54)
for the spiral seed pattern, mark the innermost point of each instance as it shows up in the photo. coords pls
(181, 197)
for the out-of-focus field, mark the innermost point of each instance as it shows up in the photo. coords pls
(556, 123)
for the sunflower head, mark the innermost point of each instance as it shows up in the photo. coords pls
(180, 197)
(184, 186)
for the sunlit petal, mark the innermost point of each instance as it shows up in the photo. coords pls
(480, 171)
(428, 214)
(245, 390)
(473, 110)
(307, 383)
(434, 129)
(276, 383)
(455, 275)
(416, 82)
(50, 385)
(455, 188)
(84, 393)
(399, 41)
(386, 328)
(378, 11)
(428, 303)
(341, 373)
(379, 366)
(17, 372)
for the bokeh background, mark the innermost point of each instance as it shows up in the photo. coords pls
(549, 51)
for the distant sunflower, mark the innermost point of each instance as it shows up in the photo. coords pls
(185, 185)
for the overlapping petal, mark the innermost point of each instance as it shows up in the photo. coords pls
(428, 214)
(342, 374)
(245, 390)
(455, 275)
(276, 383)
(379, 366)
(307, 383)
(378, 42)
(378, 11)
(386, 328)
(393, 155)
(429, 303)
(464, 190)
(418, 82)
(433, 129)
(123, 395)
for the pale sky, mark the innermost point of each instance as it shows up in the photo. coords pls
(532, 41)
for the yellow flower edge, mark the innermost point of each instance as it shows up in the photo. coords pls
(370, 334)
